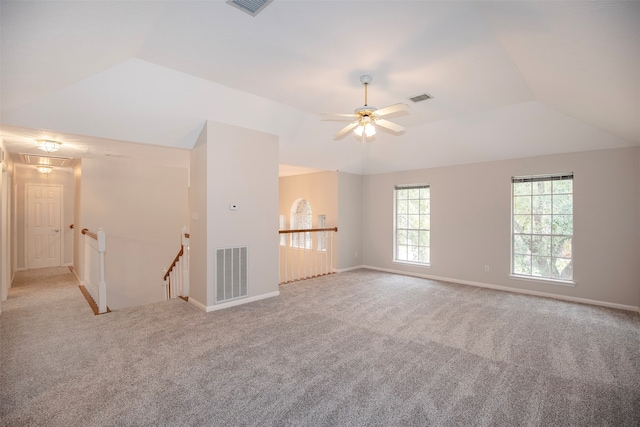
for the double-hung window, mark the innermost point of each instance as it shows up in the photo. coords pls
(412, 231)
(542, 227)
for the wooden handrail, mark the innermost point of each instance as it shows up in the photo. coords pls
(86, 231)
(175, 261)
(307, 230)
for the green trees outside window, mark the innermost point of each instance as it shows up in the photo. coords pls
(542, 227)
(412, 224)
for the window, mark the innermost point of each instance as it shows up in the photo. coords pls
(300, 219)
(542, 227)
(283, 225)
(322, 235)
(412, 224)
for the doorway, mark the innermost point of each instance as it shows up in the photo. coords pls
(44, 226)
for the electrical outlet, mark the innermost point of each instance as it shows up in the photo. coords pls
(486, 268)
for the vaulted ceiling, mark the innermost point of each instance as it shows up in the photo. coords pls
(508, 79)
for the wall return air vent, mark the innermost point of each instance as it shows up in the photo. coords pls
(252, 7)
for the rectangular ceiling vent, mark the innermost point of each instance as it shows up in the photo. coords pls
(421, 97)
(34, 159)
(252, 7)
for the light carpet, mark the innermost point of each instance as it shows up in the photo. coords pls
(351, 349)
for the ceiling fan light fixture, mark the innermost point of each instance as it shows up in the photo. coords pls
(48, 145)
(368, 129)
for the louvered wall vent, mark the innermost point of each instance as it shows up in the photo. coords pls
(231, 273)
(252, 7)
(421, 97)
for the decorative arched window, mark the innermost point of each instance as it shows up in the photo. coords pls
(301, 218)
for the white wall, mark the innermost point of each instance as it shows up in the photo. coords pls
(60, 176)
(142, 209)
(471, 223)
(242, 169)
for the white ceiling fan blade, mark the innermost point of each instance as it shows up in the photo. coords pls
(346, 129)
(391, 109)
(389, 125)
(336, 116)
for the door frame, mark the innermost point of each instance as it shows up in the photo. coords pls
(26, 222)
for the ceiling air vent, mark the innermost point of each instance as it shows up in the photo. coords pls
(34, 159)
(421, 97)
(252, 7)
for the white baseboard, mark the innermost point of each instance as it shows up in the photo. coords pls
(197, 304)
(75, 273)
(508, 289)
(343, 270)
(233, 303)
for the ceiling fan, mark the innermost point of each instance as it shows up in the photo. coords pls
(366, 118)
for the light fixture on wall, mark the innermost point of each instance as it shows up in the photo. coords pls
(48, 145)
(44, 169)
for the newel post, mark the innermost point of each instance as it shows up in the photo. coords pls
(185, 261)
(102, 286)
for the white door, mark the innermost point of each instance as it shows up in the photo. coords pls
(44, 227)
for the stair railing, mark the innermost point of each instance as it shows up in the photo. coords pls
(176, 278)
(93, 281)
(306, 253)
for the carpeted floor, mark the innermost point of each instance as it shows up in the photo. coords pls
(352, 349)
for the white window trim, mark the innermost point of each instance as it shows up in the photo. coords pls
(395, 219)
(535, 279)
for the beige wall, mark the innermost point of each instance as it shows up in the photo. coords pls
(7, 251)
(339, 196)
(198, 253)
(78, 238)
(142, 209)
(60, 176)
(242, 169)
(471, 222)
(320, 189)
(349, 220)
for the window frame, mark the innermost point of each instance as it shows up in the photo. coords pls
(301, 240)
(420, 229)
(550, 235)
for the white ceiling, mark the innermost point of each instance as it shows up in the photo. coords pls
(509, 79)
